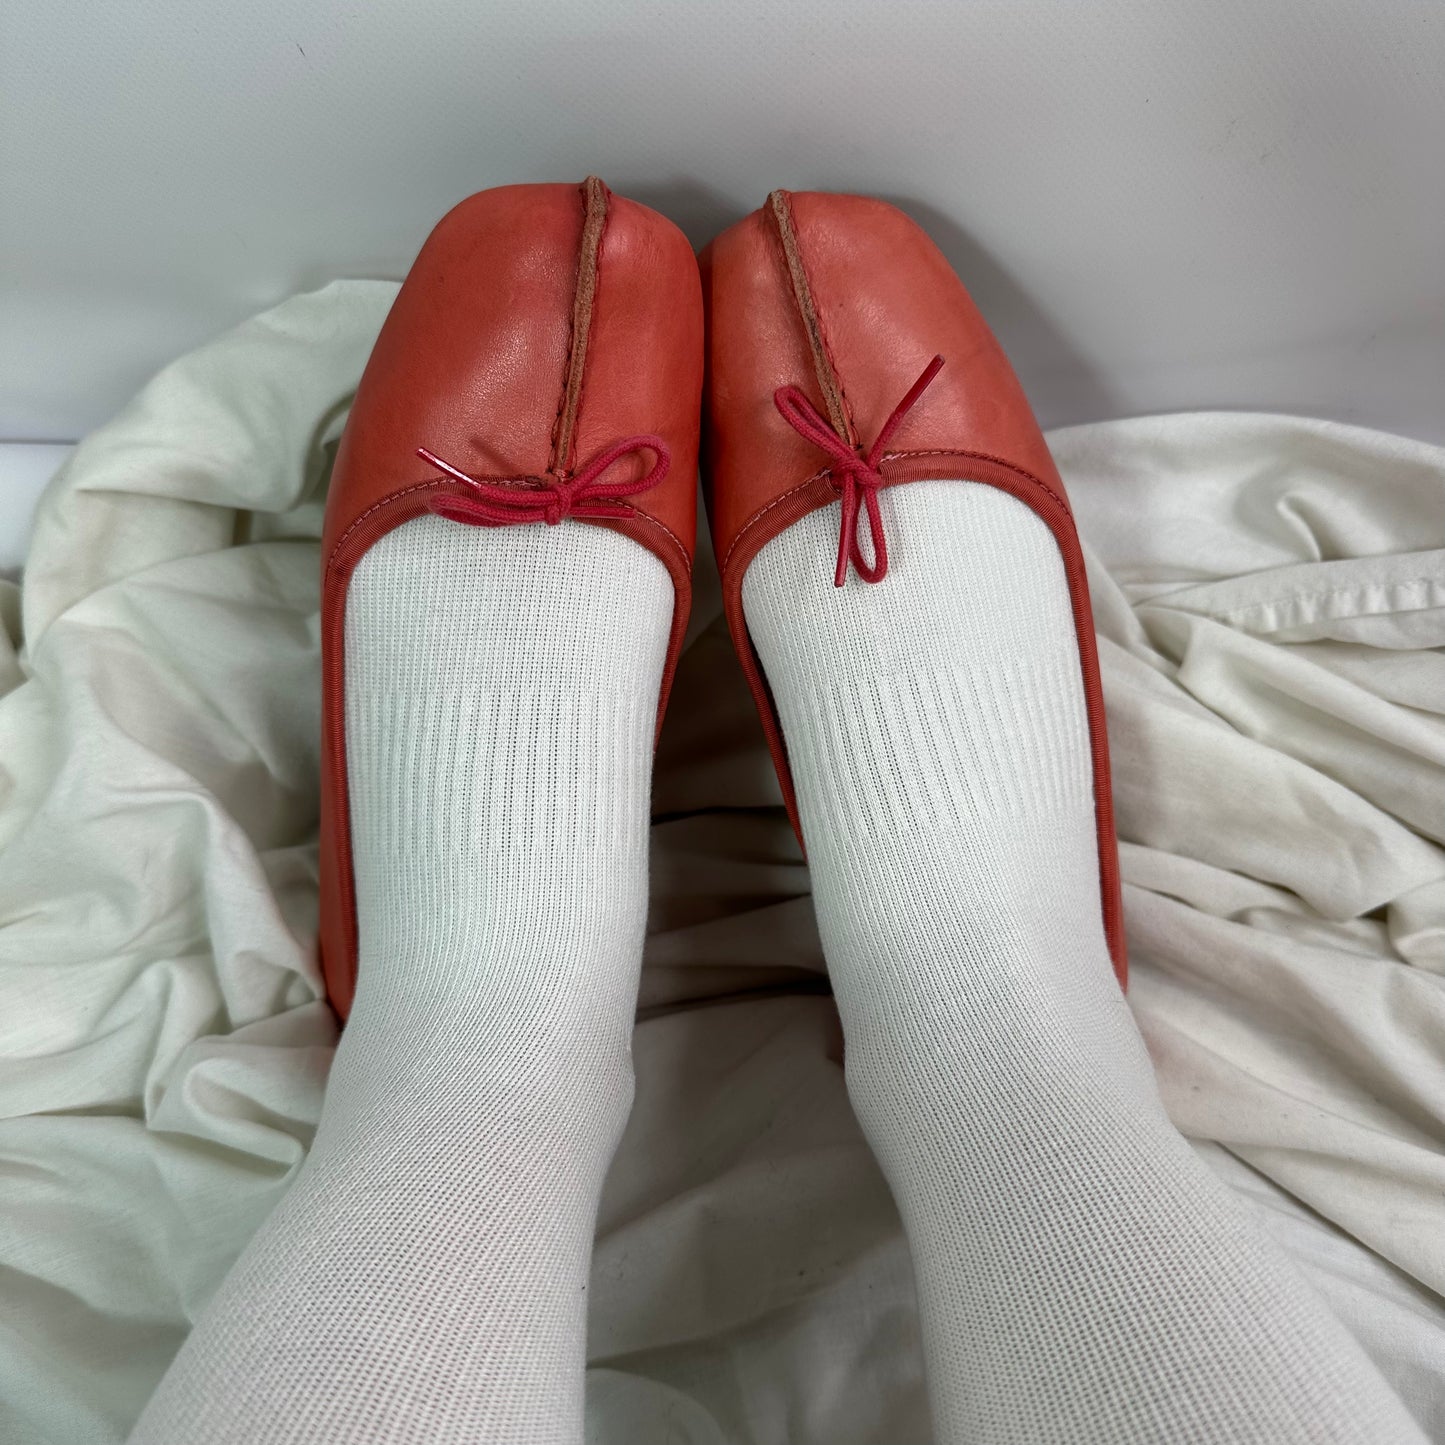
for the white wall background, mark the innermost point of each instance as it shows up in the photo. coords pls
(1160, 204)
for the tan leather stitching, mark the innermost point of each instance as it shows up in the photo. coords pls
(830, 381)
(1039, 482)
(386, 501)
(817, 476)
(764, 510)
(655, 522)
(391, 497)
(584, 296)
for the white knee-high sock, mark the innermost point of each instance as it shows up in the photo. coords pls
(1081, 1277)
(425, 1279)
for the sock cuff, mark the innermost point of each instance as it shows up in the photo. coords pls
(501, 691)
(540, 771)
(948, 694)
(928, 748)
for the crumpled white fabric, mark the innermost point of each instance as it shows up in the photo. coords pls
(1270, 596)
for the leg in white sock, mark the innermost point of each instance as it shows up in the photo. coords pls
(1081, 1277)
(425, 1279)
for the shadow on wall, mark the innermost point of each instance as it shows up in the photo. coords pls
(698, 211)
(1063, 385)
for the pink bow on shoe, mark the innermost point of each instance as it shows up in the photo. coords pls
(506, 502)
(856, 477)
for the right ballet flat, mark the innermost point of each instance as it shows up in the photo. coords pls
(844, 356)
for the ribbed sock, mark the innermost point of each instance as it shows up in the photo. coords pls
(1081, 1277)
(425, 1278)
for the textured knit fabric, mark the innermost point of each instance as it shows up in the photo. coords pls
(425, 1279)
(1082, 1278)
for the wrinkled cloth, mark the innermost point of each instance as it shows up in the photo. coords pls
(1270, 599)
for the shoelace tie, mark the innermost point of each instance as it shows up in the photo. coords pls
(855, 476)
(492, 503)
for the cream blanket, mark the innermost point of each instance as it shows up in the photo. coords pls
(1271, 601)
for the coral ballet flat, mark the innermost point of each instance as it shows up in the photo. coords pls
(542, 361)
(844, 356)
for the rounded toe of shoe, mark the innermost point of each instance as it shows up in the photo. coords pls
(888, 301)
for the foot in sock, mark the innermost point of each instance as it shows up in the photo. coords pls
(425, 1278)
(907, 595)
(1081, 1276)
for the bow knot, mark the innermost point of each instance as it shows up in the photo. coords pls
(857, 477)
(501, 503)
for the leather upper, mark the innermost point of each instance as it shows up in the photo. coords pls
(539, 326)
(888, 302)
(472, 360)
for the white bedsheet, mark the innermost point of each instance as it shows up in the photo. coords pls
(1271, 601)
